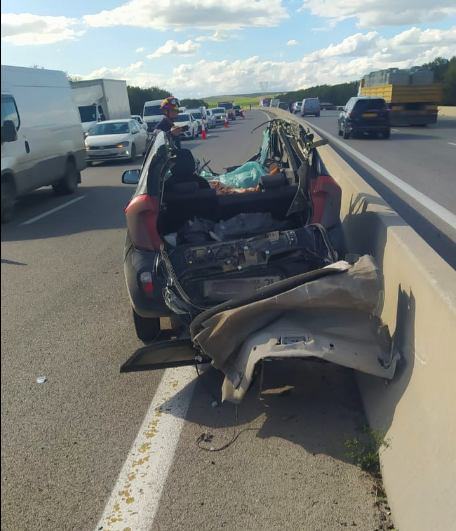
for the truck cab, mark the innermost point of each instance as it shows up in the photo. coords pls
(229, 108)
(152, 114)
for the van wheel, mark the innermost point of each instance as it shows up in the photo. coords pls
(386, 134)
(147, 329)
(69, 183)
(8, 202)
(318, 115)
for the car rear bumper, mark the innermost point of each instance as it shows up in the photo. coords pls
(149, 304)
(108, 154)
(361, 128)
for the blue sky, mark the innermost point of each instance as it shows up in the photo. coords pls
(205, 47)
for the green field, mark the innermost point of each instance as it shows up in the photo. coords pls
(240, 99)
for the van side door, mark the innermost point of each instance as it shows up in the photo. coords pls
(15, 155)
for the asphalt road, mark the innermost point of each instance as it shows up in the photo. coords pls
(422, 157)
(66, 317)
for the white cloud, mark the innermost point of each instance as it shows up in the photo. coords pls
(372, 13)
(139, 50)
(293, 42)
(218, 36)
(126, 73)
(190, 14)
(346, 61)
(34, 30)
(174, 48)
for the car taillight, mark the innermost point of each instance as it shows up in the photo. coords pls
(352, 113)
(142, 217)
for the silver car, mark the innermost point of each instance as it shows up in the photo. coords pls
(115, 139)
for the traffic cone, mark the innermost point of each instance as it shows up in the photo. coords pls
(203, 132)
(226, 120)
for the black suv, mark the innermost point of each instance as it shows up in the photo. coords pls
(364, 115)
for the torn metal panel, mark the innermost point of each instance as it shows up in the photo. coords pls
(332, 318)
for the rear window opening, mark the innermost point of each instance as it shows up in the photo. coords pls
(369, 105)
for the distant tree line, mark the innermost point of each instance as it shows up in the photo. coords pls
(444, 72)
(138, 96)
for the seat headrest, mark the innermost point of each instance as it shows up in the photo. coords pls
(184, 163)
(274, 180)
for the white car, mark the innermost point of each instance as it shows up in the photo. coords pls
(198, 116)
(297, 107)
(140, 120)
(115, 139)
(188, 124)
(210, 119)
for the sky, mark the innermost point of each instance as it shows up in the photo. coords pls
(197, 48)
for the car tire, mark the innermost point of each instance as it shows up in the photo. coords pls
(346, 133)
(386, 134)
(8, 208)
(147, 329)
(69, 184)
(317, 115)
(133, 153)
(339, 131)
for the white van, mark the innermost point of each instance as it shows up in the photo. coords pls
(42, 138)
(152, 114)
(310, 106)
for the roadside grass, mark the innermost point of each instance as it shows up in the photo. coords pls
(364, 452)
(245, 101)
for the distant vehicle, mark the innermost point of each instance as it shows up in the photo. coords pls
(275, 102)
(188, 124)
(42, 138)
(101, 99)
(140, 120)
(310, 106)
(283, 106)
(229, 109)
(364, 115)
(152, 114)
(411, 95)
(198, 117)
(114, 140)
(219, 113)
(211, 120)
(326, 106)
(297, 106)
(238, 110)
(265, 102)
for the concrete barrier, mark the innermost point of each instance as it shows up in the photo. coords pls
(447, 111)
(417, 410)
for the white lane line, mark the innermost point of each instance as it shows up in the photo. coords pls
(135, 498)
(445, 215)
(451, 144)
(56, 209)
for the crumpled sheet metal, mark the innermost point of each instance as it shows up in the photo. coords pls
(333, 318)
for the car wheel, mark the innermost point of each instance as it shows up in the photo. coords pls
(346, 132)
(147, 329)
(387, 133)
(70, 181)
(133, 153)
(317, 115)
(8, 201)
(339, 130)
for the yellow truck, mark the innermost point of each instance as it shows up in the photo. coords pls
(410, 103)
